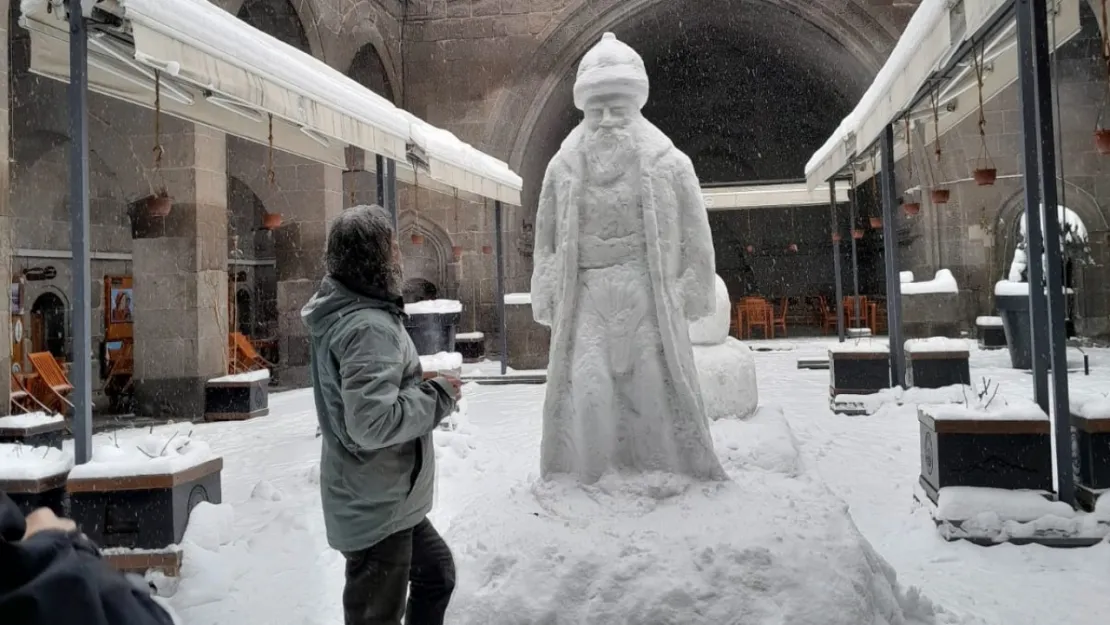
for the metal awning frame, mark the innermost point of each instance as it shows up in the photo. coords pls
(776, 195)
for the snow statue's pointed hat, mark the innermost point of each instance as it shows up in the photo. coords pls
(611, 67)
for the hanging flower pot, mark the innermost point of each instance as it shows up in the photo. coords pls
(912, 208)
(876, 222)
(836, 237)
(487, 249)
(857, 233)
(271, 221)
(1102, 140)
(940, 196)
(985, 177)
(417, 239)
(750, 249)
(792, 248)
(158, 205)
(457, 252)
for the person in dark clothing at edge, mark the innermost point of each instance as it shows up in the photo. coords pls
(377, 410)
(52, 575)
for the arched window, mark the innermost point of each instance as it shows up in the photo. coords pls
(48, 325)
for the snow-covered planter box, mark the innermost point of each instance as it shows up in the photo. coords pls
(237, 397)
(859, 368)
(937, 362)
(1012, 301)
(988, 443)
(932, 307)
(431, 325)
(138, 489)
(529, 342)
(35, 477)
(1090, 424)
(472, 346)
(990, 332)
(36, 429)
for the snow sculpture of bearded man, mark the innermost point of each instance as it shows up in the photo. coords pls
(623, 263)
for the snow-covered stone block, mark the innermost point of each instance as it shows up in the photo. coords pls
(34, 429)
(990, 332)
(237, 397)
(34, 477)
(726, 374)
(937, 362)
(1090, 424)
(961, 444)
(859, 367)
(713, 329)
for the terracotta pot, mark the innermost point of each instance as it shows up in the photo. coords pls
(271, 221)
(457, 251)
(876, 222)
(159, 205)
(912, 208)
(836, 237)
(418, 239)
(940, 196)
(750, 249)
(1102, 140)
(985, 177)
(487, 249)
(793, 248)
(857, 233)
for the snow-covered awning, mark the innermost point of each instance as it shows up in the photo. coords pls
(216, 70)
(771, 196)
(934, 58)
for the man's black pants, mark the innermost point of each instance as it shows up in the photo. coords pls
(377, 579)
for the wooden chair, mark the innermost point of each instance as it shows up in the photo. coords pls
(50, 387)
(828, 315)
(779, 320)
(850, 311)
(121, 368)
(756, 313)
(243, 357)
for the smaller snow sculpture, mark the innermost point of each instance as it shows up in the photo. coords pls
(1074, 243)
(726, 367)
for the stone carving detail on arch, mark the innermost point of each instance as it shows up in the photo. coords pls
(432, 259)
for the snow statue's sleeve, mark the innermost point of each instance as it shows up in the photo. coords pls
(376, 411)
(699, 270)
(545, 272)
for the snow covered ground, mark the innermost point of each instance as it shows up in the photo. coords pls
(263, 559)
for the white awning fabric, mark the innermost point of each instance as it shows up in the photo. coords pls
(937, 31)
(216, 70)
(771, 196)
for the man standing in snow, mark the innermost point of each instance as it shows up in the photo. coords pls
(623, 263)
(377, 411)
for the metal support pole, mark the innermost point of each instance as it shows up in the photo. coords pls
(79, 234)
(379, 178)
(834, 230)
(499, 255)
(890, 256)
(391, 190)
(1054, 269)
(1034, 241)
(854, 211)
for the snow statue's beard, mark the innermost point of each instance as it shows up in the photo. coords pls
(609, 152)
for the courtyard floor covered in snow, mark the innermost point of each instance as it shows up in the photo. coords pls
(262, 558)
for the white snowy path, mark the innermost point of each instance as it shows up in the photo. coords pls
(272, 563)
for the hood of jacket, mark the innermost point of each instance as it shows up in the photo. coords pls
(333, 300)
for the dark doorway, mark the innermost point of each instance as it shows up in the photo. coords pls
(48, 325)
(243, 312)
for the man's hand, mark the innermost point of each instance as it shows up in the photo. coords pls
(43, 520)
(455, 384)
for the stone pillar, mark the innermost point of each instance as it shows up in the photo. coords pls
(5, 211)
(180, 273)
(299, 244)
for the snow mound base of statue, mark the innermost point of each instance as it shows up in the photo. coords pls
(726, 367)
(771, 546)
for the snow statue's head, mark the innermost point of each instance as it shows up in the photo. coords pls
(362, 252)
(612, 84)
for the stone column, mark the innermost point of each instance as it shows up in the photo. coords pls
(299, 245)
(180, 273)
(5, 212)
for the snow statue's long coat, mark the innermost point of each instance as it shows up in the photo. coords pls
(682, 275)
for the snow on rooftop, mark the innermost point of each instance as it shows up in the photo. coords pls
(942, 282)
(926, 18)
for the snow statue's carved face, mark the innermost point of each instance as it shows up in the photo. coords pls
(623, 261)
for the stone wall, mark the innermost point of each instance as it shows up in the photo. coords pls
(6, 239)
(529, 341)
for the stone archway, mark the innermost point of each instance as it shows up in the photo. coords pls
(431, 259)
(369, 69)
(48, 330)
(1091, 304)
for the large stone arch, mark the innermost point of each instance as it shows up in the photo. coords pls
(373, 70)
(1091, 304)
(564, 42)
